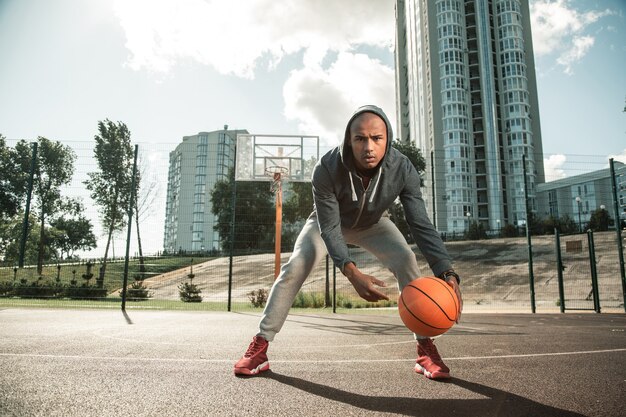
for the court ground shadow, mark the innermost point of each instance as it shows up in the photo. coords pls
(361, 326)
(498, 403)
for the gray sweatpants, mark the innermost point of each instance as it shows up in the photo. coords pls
(383, 240)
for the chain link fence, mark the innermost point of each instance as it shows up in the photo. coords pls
(235, 272)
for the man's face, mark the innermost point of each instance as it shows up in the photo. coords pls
(368, 139)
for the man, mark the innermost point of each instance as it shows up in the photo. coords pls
(353, 186)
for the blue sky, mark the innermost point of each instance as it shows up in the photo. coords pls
(173, 68)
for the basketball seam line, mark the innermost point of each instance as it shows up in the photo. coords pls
(434, 302)
(447, 287)
(420, 320)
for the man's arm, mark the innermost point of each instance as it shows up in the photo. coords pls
(328, 217)
(426, 236)
(424, 233)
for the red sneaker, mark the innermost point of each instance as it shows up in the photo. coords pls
(428, 362)
(255, 359)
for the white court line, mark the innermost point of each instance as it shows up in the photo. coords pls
(309, 347)
(462, 358)
(98, 333)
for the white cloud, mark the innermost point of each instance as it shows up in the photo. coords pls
(579, 48)
(553, 167)
(323, 100)
(235, 39)
(558, 28)
(232, 38)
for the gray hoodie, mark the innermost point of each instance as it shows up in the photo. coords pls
(342, 201)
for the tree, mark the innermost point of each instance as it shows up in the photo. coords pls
(567, 225)
(510, 230)
(599, 220)
(72, 234)
(254, 213)
(146, 190)
(299, 205)
(110, 186)
(14, 172)
(476, 231)
(11, 231)
(296, 209)
(54, 168)
(413, 153)
(537, 225)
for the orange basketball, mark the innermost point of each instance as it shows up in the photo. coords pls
(428, 306)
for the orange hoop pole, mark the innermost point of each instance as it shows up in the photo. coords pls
(279, 224)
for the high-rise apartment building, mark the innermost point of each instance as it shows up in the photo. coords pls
(467, 97)
(195, 166)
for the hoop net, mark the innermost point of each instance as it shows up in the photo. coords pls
(277, 173)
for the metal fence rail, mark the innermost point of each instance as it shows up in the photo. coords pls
(494, 273)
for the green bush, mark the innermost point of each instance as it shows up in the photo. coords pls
(476, 231)
(510, 231)
(6, 288)
(85, 292)
(308, 300)
(137, 292)
(258, 298)
(189, 293)
(48, 289)
(37, 289)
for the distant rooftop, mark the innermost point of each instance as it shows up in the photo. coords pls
(582, 178)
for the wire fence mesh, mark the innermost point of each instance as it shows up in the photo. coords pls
(235, 269)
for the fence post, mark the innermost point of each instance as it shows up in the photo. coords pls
(594, 272)
(334, 288)
(618, 231)
(327, 302)
(432, 180)
(130, 226)
(29, 194)
(231, 249)
(560, 268)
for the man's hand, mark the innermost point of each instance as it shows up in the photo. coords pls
(364, 284)
(452, 281)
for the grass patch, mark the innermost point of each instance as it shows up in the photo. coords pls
(114, 276)
(114, 302)
(317, 300)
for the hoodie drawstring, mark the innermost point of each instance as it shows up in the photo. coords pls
(354, 198)
(380, 174)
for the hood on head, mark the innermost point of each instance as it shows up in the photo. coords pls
(346, 154)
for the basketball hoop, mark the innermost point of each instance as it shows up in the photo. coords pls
(276, 158)
(277, 173)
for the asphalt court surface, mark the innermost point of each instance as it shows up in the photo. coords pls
(154, 363)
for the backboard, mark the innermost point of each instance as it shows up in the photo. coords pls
(257, 155)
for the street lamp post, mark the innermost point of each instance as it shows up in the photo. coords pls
(468, 214)
(498, 222)
(580, 226)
